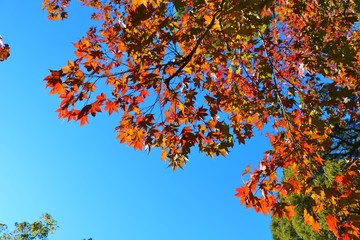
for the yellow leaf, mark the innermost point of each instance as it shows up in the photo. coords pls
(181, 107)
(207, 19)
(202, 128)
(163, 142)
(71, 64)
(139, 2)
(163, 154)
(66, 69)
(217, 25)
(188, 70)
(137, 111)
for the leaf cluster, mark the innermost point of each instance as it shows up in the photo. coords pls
(207, 74)
(38, 230)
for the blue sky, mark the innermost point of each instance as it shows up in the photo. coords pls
(91, 184)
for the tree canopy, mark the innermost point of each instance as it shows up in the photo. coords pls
(38, 230)
(207, 74)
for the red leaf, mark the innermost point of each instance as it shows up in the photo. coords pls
(331, 221)
(111, 107)
(83, 120)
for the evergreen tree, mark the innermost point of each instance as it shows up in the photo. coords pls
(344, 151)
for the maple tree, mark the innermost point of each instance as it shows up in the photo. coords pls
(206, 74)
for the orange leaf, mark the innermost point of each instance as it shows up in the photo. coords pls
(163, 154)
(111, 107)
(247, 169)
(290, 211)
(138, 145)
(308, 219)
(331, 221)
(58, 88)
(137, 139)
(83, 120)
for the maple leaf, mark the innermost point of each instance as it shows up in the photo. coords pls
(4, 52)
(309, 219)
(84, 120)
(138, 139)
(111, 107)
(57, 88)
(209, 74)
(163, 154)
(331, 221)
(247, 169)
(290, 211)
(95, 107)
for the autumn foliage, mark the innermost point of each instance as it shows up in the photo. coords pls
(344, 149)
(4, 50)
(206, 74)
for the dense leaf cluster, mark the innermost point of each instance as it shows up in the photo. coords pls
(339, 157)
(185, 74)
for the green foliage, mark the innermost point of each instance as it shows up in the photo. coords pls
(296, 228)
(344, 149)
(283, 229)
(38, 230)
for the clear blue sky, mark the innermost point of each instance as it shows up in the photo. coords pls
(91, 184)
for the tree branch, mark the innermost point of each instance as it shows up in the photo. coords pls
(187, 59)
